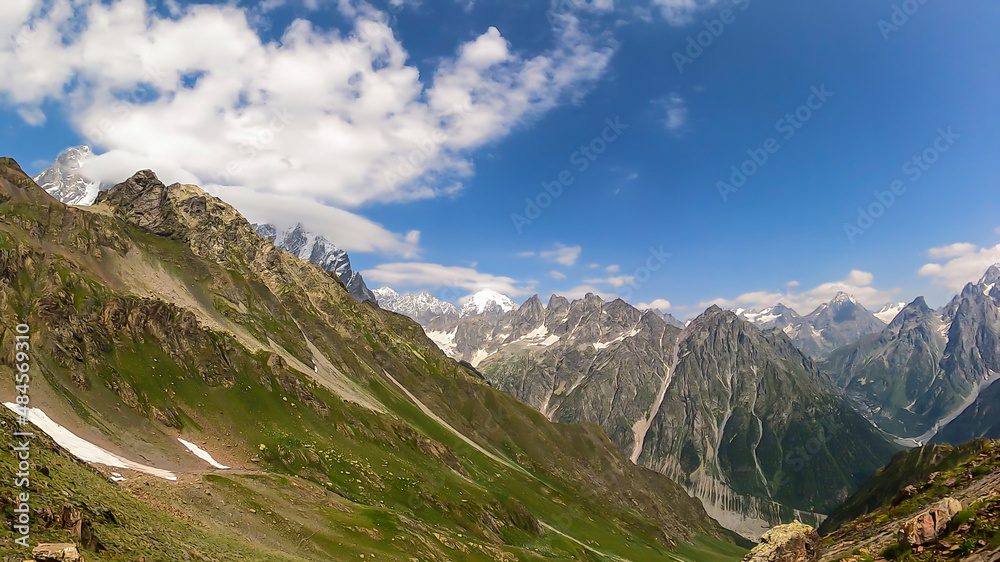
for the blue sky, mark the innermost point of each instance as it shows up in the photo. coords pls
(541, 81)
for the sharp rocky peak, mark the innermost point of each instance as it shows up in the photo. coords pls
(992, 275)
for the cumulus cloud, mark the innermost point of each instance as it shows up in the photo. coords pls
(955, 250)
(857, 284)
(564, 255)
(966, 263)
(436, 276)
(341, 120)
(613, 268)
(658, 304)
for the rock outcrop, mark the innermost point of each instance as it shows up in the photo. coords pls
(795, 542)
(929, 525)
(62, 552)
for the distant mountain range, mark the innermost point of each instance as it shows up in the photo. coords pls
(320, 251)
(703, 402)
(422, 307)
(700, 403)
(929, 374)
(839, 322)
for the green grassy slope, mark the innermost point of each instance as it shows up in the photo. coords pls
(194, 326)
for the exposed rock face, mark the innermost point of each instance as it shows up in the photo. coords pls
(931, 367)
(795, 542)
(929, 525)
(65, 179)
(713, 405)
(142, 200)
(320, 251)
(62, 552)
(839, 322)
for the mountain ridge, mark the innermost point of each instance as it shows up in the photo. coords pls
(160, 311)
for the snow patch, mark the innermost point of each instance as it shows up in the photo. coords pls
(444, 340)
(889, 312)
(478, 357)
(201, 454)
(83, 449)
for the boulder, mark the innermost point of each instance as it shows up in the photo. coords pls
(795, 542)
(903, 495)
(62, 552)
(929, 525)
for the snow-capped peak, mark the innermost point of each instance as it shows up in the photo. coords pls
(65, 179)
(421, 306)
(386, 293)
(487, 301)
(843, 297)
(890, 311)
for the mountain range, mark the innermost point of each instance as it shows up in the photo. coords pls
(702, 403)
(164, 328)
(928, 375)
(591, 361)
(839, 322)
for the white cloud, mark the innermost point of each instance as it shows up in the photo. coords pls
(658, 304)
(967, 264)
(681, 12)
(612, 269)
(952, 251)
(617, 282)
(792, 283)
(564, 255)
(435, 276)
(857, 284)
(557, 275)
(856, 277)
(350, 231)
(341, 121)
(675, 114)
